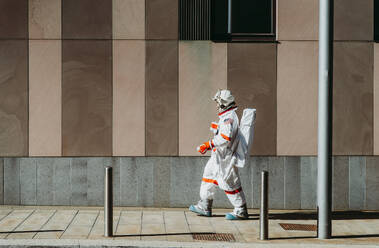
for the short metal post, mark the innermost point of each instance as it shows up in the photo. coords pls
(108, 203)
(263, 219)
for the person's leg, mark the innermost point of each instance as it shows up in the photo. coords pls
(236, 197)
(238, 200)
(207, 191)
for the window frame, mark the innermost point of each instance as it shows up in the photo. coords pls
(243, 37)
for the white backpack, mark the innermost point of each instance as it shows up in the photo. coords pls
(245, 137)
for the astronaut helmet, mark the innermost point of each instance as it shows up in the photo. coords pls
(224, 99)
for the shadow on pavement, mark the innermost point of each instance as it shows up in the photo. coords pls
(338, 215)
(356, 236)
(32, 231)
(161, 234)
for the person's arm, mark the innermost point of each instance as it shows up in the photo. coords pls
(223, 137)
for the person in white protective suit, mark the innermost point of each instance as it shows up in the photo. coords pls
(221, 170)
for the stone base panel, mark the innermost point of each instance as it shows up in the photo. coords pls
(175, 181)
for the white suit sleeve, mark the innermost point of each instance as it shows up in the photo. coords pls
(224, 135)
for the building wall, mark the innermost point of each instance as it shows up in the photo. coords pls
(109, 79)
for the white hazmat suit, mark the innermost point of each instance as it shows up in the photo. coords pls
(221, 170)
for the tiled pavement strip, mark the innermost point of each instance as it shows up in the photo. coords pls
(140, 225)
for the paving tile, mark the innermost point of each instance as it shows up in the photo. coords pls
(28, 181)
(357, 183)
(152, 218)
(11, 181)
(74, 231)
(129, 19)
(33, 223)
(85, 219)
(195, 228)
(44, 19)
(153, 229)
(179, 233)
(13, 92)
(130, 217)
(76, 23)
(10, 222)
(45, 181)
(129, 231)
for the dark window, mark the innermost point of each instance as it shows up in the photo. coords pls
(194, 19)
(241, 20)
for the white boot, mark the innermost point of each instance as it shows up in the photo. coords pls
(203, 207)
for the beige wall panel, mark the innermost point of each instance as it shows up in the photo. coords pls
(128, 98)
(45, 103)
(252, 80)
(202, 71)
(44, 19)
(353, 98)
(353, 19)
(13, 98)
(297, 98)
(376, 99)
(129, 19)
(297, 19)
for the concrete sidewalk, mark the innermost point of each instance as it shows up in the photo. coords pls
(133, 227)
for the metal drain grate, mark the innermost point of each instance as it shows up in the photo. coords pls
(298, 227)
(214, 237)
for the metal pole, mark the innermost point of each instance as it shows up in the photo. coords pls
(263, 219)
(325, 118)
(108, 203)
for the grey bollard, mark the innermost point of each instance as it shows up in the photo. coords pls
(263, 219)
(108, 203)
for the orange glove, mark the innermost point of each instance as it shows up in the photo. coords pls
(205, 147)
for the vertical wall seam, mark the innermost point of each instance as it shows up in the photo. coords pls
(36, 186)
(27, 80)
